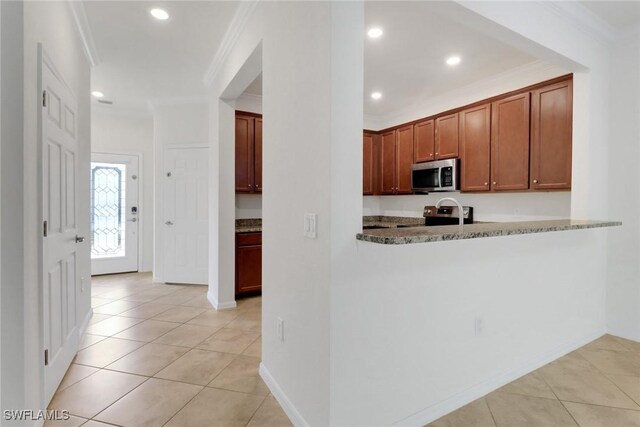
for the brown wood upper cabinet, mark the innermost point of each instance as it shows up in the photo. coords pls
(424, 141)
(551, 134)
(510, 143)
(368, 182)
(248, 154)
(396, 158)
(475, 148)
(446, 136)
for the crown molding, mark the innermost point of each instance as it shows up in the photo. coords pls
(84, 31)
(519, 76)
(176, 100)
(582, 19)
(238, 22)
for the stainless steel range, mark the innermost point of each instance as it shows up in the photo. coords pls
(447, 215)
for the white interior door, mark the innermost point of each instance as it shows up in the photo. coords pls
(115, 217)
(59, 214)
(186, 215)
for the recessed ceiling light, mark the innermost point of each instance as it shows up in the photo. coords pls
(376, 95)
(453, 60)
(375, 32)
(160, 14)
(97, 94)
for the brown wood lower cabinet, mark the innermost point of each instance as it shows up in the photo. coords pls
(248, 263)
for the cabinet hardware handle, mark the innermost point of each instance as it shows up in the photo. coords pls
(437, 153)
(535, 181)
(486, 183)
(494, 183)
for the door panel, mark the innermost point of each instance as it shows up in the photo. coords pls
(551, 135)
(447, 137)
(59, 279)
(244, 153)
(404, 156)
(186, 216)
(115, 213)
(475, 148)
(367, 164)
(258, 156)
(388, 162)
(510, 143)
(424, 147)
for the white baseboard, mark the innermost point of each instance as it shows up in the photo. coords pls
(85, 323)
(220, 305)
(294, 416)
(456, 401)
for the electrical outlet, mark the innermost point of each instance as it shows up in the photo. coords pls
(280, 328)
(478, 325)
(310, 221)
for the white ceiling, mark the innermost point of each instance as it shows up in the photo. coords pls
(621, 15)
(142, 58)
(407, 64)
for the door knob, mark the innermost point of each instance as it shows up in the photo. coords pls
(169, 223)
(79, 239)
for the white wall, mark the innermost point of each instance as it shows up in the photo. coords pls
(175, 123)
(623, 291)
(11, 205)
(487, 207)
(119, 133)
(52, 24)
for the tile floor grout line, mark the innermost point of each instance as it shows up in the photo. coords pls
(600, 405)
(486, 402)
(256, 411)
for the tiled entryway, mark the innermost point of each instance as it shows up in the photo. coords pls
(157, 354)
(597, 385)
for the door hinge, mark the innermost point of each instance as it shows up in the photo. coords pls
(44, 98)
(45, 229)
(46, 357)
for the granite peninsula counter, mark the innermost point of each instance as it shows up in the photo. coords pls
(421, 234)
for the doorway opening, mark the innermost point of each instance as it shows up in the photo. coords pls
(114, 216)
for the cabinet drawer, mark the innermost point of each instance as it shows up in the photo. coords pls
(245, 239)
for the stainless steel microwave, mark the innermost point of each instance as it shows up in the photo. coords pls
(441, 175)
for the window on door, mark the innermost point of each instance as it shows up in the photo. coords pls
(108, 210)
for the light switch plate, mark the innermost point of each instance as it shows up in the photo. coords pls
(310, 222)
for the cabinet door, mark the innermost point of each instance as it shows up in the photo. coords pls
(248, 269)
(257, 156)
(424, 141)
(367, 164)
(404, 159)
(551, 134)
(447, 137)
(388, 162)
(244, 154)
(510, 143)
(475, 148)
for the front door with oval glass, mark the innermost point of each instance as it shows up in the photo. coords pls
(115, 214)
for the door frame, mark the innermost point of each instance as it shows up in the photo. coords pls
(159, 252)
(140, 184)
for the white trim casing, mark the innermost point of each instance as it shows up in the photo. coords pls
(294, 416)
(238, 22)
(220, 306)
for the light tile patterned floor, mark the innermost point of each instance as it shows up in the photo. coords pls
(157, 354)
(597, 385)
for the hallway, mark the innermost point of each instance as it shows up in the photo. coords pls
(157, 354)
